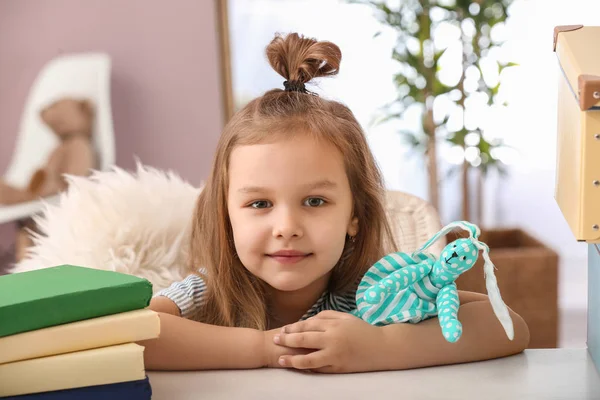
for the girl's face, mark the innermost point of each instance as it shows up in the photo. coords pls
(290, 207)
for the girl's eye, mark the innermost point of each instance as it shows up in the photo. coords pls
(260, 204)
(314, 202)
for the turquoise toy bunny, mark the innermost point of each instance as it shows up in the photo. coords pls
(404, 287)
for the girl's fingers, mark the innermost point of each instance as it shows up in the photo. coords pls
(309, 325)
(305, 340)
(329, 314)
(314, 360)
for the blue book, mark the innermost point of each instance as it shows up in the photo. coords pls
(134, 390)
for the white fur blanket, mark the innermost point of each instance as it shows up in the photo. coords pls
(133, 222)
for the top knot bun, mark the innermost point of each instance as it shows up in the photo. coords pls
(299, 59)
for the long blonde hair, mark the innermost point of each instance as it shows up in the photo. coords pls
(234, 297)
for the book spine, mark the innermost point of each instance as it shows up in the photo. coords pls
(73, 307)
(114, 364)
(134, 390)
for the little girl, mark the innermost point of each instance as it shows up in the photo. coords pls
(290, 219)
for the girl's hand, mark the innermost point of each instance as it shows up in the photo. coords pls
(272, 352)
(342, 343)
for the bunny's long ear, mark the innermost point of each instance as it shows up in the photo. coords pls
(491, 285)
(467, 226)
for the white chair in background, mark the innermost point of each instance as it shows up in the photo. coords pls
(413, 221)
(85, 75)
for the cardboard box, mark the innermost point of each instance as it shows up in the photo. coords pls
(577, 189)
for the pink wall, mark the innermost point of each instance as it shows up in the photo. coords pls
(165, 87)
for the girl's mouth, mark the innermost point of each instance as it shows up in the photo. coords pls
(289, 256)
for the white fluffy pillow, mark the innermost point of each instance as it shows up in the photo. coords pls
(138, 223)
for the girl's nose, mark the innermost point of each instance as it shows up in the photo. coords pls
(287, 224)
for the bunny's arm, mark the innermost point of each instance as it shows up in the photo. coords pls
(447, 304)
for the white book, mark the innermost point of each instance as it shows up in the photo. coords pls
(106, 365)
(132, 326)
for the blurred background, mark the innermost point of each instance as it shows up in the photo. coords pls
(458, 100)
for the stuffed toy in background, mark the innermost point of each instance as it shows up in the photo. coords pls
(404, 287)
(71, 120)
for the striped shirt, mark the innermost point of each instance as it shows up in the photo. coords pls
(188, 295)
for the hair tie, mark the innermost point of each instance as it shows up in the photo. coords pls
(294, 86)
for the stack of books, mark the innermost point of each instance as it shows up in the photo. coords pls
(69, 332)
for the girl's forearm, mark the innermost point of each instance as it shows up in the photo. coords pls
(469, 297)
(423, 345)
(188, 345)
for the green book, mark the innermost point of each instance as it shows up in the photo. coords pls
(66, 293)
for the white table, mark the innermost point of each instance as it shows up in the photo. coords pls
(567, 374)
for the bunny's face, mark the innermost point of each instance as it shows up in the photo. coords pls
(459, 256)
